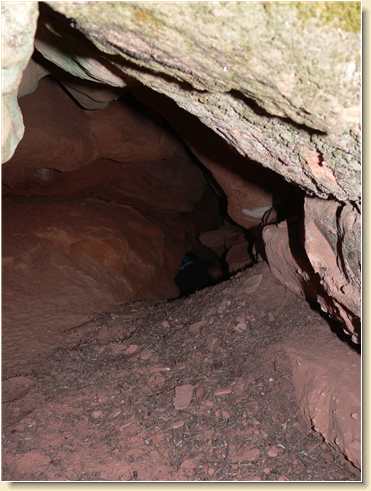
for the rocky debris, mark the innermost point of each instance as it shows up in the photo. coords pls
(273, 452)
(223, 163)
(230, 243)
(98, 413)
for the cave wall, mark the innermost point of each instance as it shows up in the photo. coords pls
(280, 83)
(100, 206)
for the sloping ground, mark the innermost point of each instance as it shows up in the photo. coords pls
(194, 389)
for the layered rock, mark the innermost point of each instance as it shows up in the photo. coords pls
(310, 55)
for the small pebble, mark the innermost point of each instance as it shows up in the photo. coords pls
(251, 454)
(222, 392)
(146, 355)
(241, 326)
(183, 396)
(178, 424)
(200, 392)
(273, 452)
(132, 349)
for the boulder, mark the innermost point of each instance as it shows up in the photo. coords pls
(328, 388)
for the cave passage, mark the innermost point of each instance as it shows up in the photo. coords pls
(136, 250)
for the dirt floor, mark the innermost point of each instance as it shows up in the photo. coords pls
(187, 390)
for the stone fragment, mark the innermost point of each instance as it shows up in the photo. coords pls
(178, 424)
(224, 391)
(133, 348)
(273, 452)
(183, 396)
(244, 454)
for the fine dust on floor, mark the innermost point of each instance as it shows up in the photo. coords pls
(185, 390)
